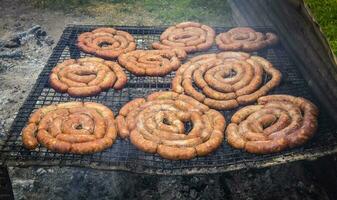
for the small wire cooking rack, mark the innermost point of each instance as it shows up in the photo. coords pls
(123, 155)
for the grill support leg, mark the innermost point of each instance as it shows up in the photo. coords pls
(6, 191)
(325, 170)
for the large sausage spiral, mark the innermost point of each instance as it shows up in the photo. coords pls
(74, 127)
(190, 36)
(106, 42)
(244, 39)
(87, 76)
(208, 79)
(152, 62)
(276, 123)
(157, 124)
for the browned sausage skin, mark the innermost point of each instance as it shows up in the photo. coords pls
(189, 36)
(87, 76)
(74, 127)
(244, 39)
(225, 80)
(106, 42)
(277, 123)
(152, 62)
(157, 125)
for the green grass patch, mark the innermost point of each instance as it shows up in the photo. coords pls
(60, 4)
(325, 12)
(212, 12)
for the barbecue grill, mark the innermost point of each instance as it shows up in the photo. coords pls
(123, 155)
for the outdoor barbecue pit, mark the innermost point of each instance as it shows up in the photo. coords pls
(123, 155)
(302, 55)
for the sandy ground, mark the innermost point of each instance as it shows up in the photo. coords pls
(17, 77)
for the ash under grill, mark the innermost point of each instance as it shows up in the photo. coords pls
(123, 155)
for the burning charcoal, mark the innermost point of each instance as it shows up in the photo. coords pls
(49, 41)
(12, 43)
(193, 194)
(41, 171)
(11, 54)
(31, 31)
(39, 43)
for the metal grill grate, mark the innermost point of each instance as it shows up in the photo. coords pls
(123, 155)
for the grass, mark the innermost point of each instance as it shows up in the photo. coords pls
(160, 12)
(59, 4)
(325, 12)
(211, 11)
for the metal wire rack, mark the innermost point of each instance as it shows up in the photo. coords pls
(123, 155)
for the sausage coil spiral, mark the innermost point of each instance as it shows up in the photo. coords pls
(244, 39)
(106, 42)
(87, 76)
(152, 62)
(74, 127)
(157, 125)
(189, 36)
(207, 78)
(276, 123)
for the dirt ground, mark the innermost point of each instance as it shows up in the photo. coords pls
(17, 76)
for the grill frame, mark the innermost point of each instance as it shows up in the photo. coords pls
(123, 155)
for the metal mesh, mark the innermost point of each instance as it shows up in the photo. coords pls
(123, 155)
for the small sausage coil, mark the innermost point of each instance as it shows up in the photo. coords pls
(225, 80)
(87, 76)
(158, 125)
(72, 127)
(190, 36)
(152, 62)
(276, 123)
(106, 42)
(244, 39)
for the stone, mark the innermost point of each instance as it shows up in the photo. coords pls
(193, 194)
